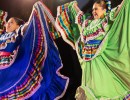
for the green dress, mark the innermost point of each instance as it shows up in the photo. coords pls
(103, 49)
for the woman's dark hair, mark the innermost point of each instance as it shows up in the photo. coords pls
(18, 21)
(105, 4)
(102, 3)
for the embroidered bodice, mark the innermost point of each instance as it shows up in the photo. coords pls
(9, 43)
(82, 32)
(93, 34)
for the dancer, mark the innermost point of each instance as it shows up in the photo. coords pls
(102, 45)
(29, 60)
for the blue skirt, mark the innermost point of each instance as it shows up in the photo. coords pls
(35, 73)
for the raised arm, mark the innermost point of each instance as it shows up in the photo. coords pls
(119, 7)
(76, 7)
(27, 23)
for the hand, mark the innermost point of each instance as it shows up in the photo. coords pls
(76, 6)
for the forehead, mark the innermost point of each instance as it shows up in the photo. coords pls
(96, 5)
(11, 20)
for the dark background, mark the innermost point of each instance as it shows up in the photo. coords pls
(22, 9)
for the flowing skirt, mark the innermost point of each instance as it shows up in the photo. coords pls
(35, 73)
(107, 77)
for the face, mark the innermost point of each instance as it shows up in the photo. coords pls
(98, 11)
(11, 25)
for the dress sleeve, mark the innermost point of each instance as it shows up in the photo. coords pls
(81, 17)
(112, 13)
(3, 16)
(67, 23)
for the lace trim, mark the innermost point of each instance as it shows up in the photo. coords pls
(93, 35)
(7, 38)
(79, 18)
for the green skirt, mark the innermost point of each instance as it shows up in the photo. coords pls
(107, 77)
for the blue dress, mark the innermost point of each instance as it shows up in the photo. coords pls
(30, 64)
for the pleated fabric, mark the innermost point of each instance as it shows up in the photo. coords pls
(35, 72)
(107, 75)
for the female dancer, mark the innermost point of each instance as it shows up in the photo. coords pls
(102, 43)
(29, 60)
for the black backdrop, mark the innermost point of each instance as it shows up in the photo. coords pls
(22, 9)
